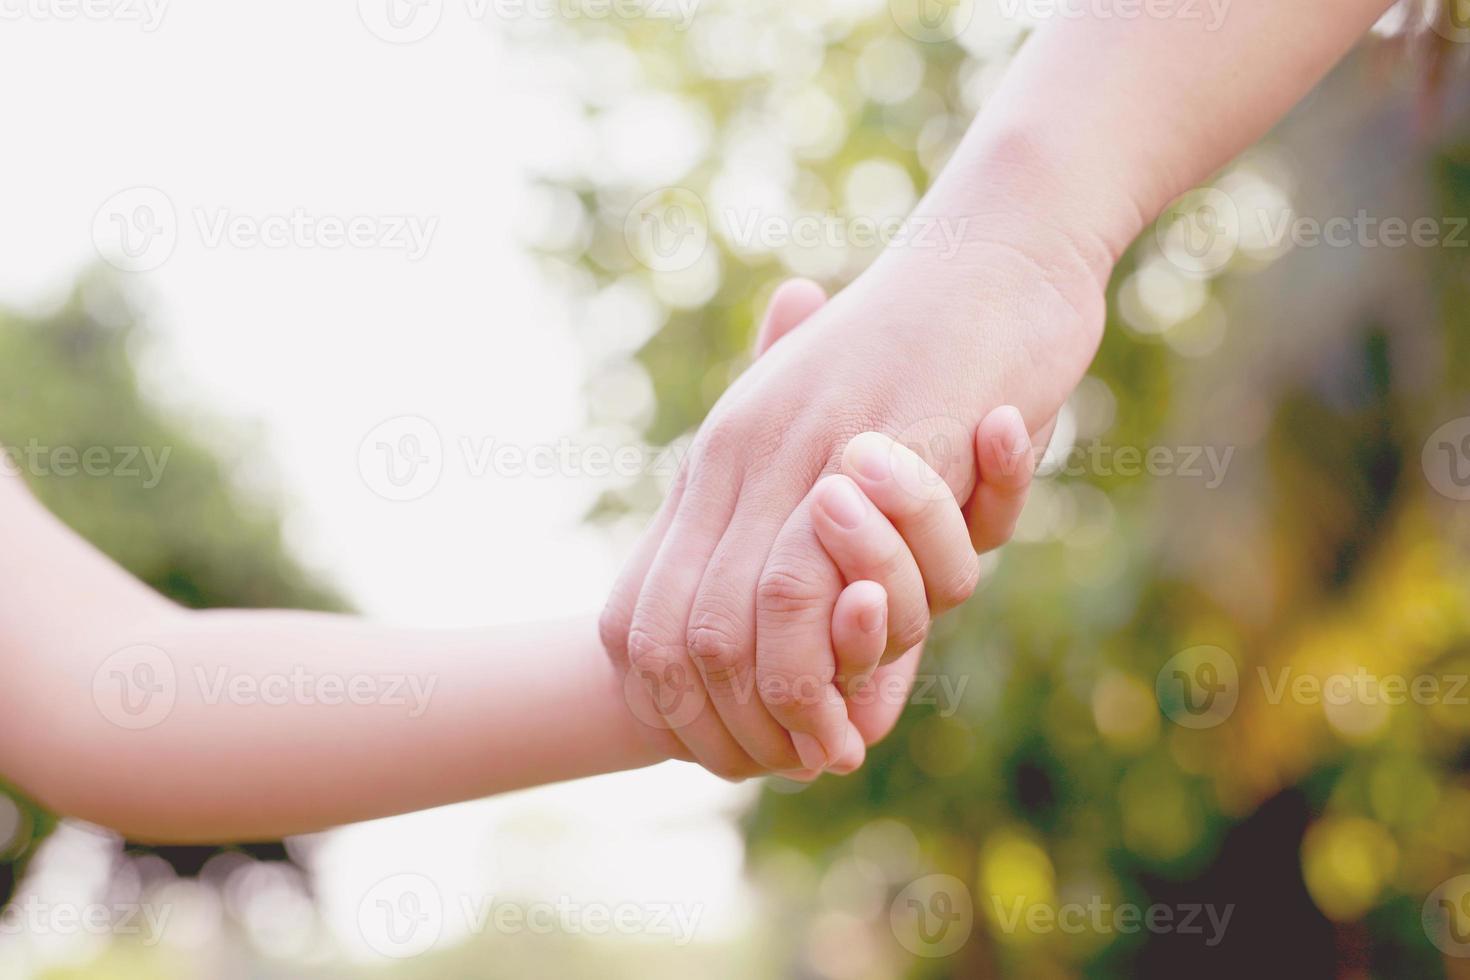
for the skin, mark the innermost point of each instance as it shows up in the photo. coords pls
(447, 715)
(1099, 123)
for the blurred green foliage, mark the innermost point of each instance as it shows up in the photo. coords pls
(1065, 768)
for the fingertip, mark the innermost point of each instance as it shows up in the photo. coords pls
(792, 302)
(869, 456)
(809, 750)
(801, 293)
(839, 500)
(861, 611)
(1003, 447)
(859, 632)
(854, 753)
(871, 603)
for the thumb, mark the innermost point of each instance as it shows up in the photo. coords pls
(793, 301)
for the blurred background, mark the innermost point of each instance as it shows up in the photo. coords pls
(1209, 713)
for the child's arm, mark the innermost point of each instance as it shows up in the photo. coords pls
(166, 724)
(173, 725)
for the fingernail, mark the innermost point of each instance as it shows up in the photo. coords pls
(1017, 441)
(870, 459)
(835, 753)
(802, 775)
(810, 750)
(841, 501)
(870, 620)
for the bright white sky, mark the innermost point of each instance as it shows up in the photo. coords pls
(278, 105)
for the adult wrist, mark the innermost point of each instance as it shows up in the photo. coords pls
(1025, 187)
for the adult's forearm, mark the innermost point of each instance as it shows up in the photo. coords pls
(1101, 121)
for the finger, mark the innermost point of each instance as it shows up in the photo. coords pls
(1042, 439)
(617, 619)
(723, 625)
(859, 629)
(656, 639)
(792, 302)
(1007, 465)
(795, 664)
(854, 753)
(923, 509)
(617, 614)
(877, 704)
(865, 545)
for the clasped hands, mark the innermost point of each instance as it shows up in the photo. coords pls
(772, 617)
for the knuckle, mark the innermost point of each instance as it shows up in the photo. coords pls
(723, 441)
(647, 652)
(612, 630)
(908, 633)
(776, 760)
(787, 588)
(957, 588)
(715, 646)
(789, 694)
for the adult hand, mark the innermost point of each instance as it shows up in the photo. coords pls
(920, 348)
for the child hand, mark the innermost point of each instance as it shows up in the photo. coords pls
(900, 543)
